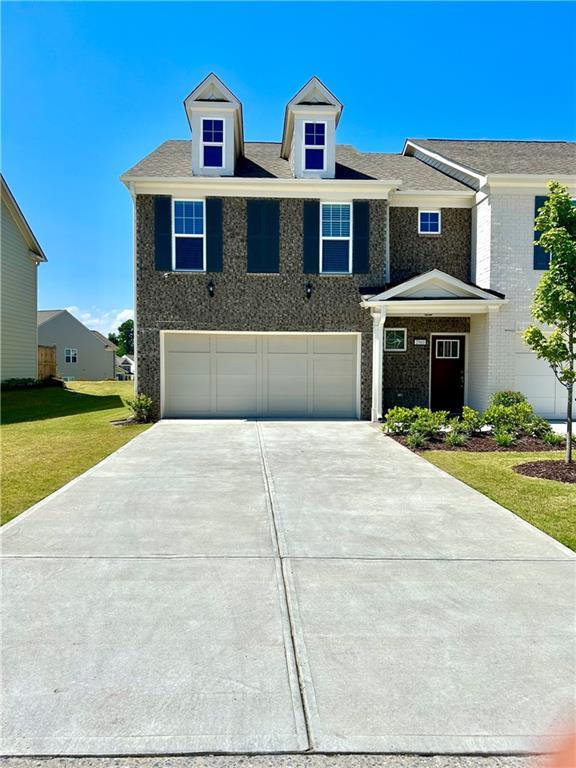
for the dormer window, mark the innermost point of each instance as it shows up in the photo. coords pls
(212, 146)
(314, 146)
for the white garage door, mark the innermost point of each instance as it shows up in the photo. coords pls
(264, 375)
(535, 379)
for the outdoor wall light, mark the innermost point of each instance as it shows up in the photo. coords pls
(308, 290)
(211, 288)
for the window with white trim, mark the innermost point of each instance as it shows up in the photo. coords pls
(394, 339)
(429, 222)
(448, 349)
(212, 145)
(189, 242)
(314, 146)
(70, 355)
(335, 238)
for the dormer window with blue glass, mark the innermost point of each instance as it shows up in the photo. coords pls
(429, 222)
(314, 146)
(212, 147)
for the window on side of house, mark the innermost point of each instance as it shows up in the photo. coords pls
(70, 355)
(314, 146)
(189, 242)
(429, 222)
(212, 146)
(394, 339)
(335, 239)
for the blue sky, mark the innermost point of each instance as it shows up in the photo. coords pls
(90, 88)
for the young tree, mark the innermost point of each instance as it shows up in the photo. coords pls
(555, 296)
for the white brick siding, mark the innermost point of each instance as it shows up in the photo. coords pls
(503, 261)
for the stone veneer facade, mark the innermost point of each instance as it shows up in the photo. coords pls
(406, 375)
(251, 302)
(412, 253)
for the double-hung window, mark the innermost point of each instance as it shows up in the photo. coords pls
(189, 246)
(429, 222)
(335, 245)
(314, 146)
(212, 147)
(70, 355)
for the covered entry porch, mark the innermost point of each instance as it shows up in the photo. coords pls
(424, 350)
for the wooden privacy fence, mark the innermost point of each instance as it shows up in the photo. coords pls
(46, 362)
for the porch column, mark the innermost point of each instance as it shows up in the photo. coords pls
(378, 320)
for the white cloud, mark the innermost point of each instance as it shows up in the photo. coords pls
(99, 320)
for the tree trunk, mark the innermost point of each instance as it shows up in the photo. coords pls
(569, 423)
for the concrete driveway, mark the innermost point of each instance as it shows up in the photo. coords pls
(280, 587)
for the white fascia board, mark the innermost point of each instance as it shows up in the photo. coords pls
(441, 199)
(528, 181)
(433, 276)
(462, 168)
(201, 186)
(436, 307)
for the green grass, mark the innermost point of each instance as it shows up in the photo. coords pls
(547, 504)
(51, 435)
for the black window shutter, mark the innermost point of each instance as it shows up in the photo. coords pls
(361, 237)
(213, 234)
(541, 257)
(163, 233)
(311, 237)
(263, 235)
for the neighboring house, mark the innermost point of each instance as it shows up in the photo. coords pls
(21, 254)
(125, 367)
(80, 352)
(307, 279)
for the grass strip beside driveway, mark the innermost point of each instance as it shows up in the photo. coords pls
(547, 504)
(51, 435)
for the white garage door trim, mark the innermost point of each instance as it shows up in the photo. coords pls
(165, 333)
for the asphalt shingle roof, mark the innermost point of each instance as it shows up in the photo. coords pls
(262, 160)
(545, 157)
(42, 315)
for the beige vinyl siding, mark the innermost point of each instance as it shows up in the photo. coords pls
(64, 331)
(19, 345)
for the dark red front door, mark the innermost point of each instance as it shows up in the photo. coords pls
(447, 376)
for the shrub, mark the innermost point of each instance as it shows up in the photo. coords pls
(504, 438)
(515, 419)
(455, 438)
(416, 439)
(12, 384)
(398, 420)
(507, 398)
(553, 438)
(429, 423)
(539, 427)
(141, 407)
(472, 421)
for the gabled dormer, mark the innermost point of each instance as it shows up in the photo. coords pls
(215, 118)
(309, 138)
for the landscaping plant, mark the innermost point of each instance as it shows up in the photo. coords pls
(398, 420)
(503, 438)
(554, 304)
(472, 421)
(141, 407)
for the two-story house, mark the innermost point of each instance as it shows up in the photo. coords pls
(307, 279)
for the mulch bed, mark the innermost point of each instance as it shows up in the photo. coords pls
(480, 443)
(548, 470)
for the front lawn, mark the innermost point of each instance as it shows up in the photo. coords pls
(51, 435)
(547, 504)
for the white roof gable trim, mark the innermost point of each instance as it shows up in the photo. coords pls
(312, 96)
(213, 93)
(435, 292)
